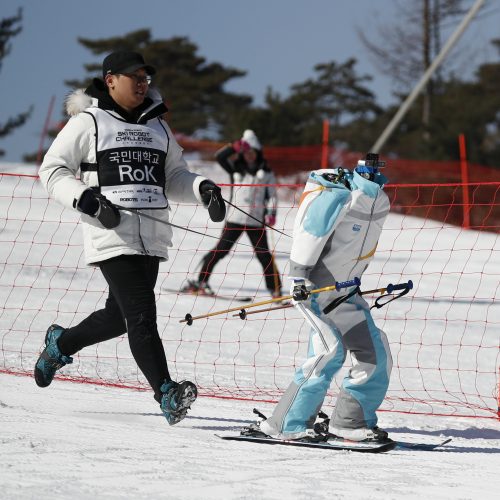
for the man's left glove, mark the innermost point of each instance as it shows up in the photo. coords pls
(98, 206)
(300, 289)
(213, 201)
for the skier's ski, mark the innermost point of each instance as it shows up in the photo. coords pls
(366, 447)
(210, 296)
(322, 428)
(403, 445)
(363, 447)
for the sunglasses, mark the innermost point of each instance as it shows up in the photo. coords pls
(138, 78)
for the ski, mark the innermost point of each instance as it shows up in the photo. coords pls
(403, 445)
(400, 445)
(342, 444)
(214, 296)
(362, 447)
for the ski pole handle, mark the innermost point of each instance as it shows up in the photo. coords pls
(400, 286)
(390, 288)
(347, 284)
(404, 287)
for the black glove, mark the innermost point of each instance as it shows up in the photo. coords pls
(212, 199)
(98, 206)
(299, 290)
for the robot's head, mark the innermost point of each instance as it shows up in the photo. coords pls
(368, 167)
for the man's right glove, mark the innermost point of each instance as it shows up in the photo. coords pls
(98, 206)
(212, 199)
(300, 289)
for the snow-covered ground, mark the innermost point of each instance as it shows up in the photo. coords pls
(83, 441)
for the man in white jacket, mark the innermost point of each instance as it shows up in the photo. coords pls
(335, 235)
(127, 157)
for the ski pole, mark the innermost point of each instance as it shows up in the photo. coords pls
(406, 287)
(244, 313)
(338, 286)
(257, 220)
(171, 224)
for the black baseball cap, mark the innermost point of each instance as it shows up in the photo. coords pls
(125, 62)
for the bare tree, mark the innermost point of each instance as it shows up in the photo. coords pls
(407, 48)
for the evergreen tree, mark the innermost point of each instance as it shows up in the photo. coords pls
(9, 28)
(336, 93)
(193, 88)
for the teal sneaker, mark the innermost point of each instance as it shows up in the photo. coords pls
(177, 399)
(51, 358)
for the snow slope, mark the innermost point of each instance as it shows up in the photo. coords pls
(86, 442)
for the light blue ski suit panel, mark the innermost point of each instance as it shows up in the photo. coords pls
(357, 403)
(311, 381)
(325, 209)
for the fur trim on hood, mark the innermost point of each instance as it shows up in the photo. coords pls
(77, 101)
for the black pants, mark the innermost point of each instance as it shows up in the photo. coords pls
(258, 238)
(130, 307)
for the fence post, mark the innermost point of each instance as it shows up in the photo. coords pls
(324, 150)
(465, 181)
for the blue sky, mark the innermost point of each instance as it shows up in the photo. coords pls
(277, 42)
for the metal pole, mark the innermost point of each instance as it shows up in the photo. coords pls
(425, 78)
(44, 131)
